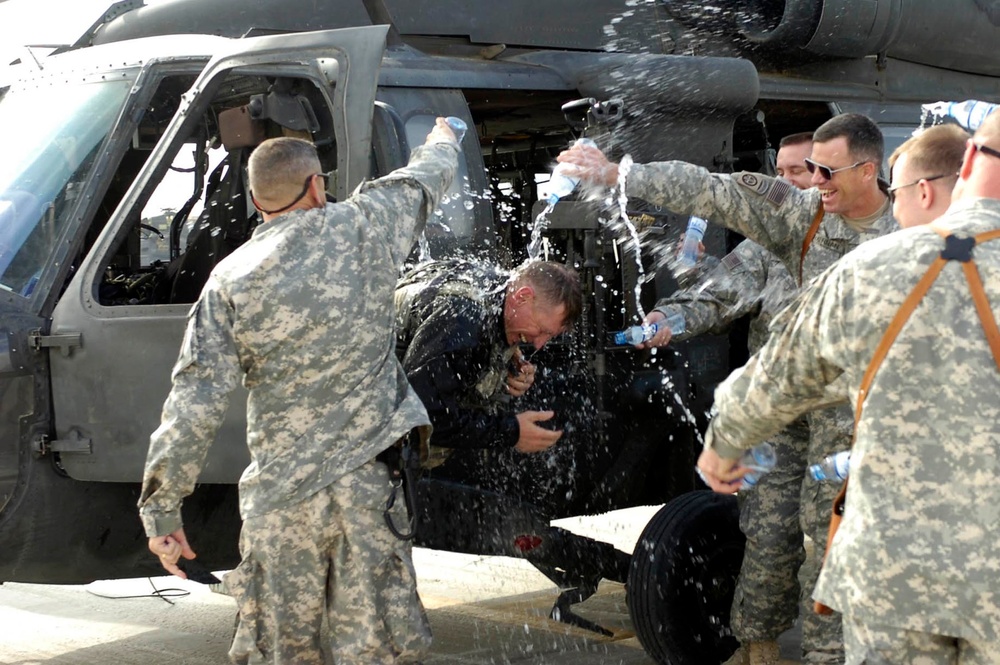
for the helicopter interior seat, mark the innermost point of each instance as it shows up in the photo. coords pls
(224, 223)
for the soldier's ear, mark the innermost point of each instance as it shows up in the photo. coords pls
(524, 294)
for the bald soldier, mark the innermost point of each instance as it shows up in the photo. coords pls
(913, 567)
(302, 314)
(807, 230)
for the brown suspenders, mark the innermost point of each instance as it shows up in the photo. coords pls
(810, 234)
(955, 249)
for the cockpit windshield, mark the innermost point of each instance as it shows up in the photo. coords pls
(51, 136)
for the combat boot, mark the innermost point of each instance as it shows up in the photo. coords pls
(763, 653)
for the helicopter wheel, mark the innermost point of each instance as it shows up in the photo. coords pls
(682, 578)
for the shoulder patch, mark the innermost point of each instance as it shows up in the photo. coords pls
(774, 190)
(732, 261)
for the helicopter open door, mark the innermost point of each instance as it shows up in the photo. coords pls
(180, 204)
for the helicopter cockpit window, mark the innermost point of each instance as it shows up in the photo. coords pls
(200, 210)
(52, 136)
(456, 223)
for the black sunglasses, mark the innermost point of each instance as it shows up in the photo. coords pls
(892, 190)
(305, 190)
(986, 150)
(826, 171)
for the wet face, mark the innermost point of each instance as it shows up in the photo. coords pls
(845, 183)
(792, 164)
(529, 319)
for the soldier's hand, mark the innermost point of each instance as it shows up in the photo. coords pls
(441, 133)
(721, 474)
(589, 165)
(522, 376)
(170, 549)
(535, 439)
(662, 336)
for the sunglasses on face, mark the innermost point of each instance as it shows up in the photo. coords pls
(986, 150)
(305, 190)
(826, 171)
(892, 190)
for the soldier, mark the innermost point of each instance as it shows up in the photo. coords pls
(458, 328)
(924, 171)
(913, 566)
(302, 314)
(807, 230)
(750, 280)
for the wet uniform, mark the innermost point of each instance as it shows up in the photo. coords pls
(750, 280)
(914, 564)
(777, 215)
(303, 314)
(453, 347)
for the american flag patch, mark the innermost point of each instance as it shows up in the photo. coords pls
(778, 191)
(732, 261)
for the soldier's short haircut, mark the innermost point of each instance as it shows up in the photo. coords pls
(279, 167)
(795, 139)
(556, 284)
(990, 129)
(935, 150)
(864, 138)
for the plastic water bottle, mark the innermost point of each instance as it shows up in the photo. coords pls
(560, 184)
(970, 113)
(761, 459)
(639, 334)
(833, 467)
(458, 126)
(692, 238)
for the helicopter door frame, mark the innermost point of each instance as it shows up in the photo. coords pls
(108, 393)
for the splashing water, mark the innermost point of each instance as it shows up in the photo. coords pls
(624, 166)
(541, 223)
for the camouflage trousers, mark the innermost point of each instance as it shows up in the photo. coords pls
(778, 576)
(324, 581)
(882, 645)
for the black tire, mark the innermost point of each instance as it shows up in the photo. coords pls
(682, 578)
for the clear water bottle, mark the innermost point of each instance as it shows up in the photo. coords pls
(458, 126)
(833, 467)
(969, 114)
(760, 459)
(692, 238)
(560, 184)
(639, 334)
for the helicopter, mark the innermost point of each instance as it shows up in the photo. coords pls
(130, 186)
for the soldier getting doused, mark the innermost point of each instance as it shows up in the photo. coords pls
(752, 281)
(807, 230)
(303, 315)
(913, 565)
(459, 327)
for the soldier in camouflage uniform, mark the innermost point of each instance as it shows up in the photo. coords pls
(302, 313)
(807, 230)
(751, 280)
(924, 170)
(459, 324)
(913, 566)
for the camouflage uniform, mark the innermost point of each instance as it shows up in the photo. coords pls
(777, 215)
(303, 314)
(453, 346)
(750, 280)
(915, 558)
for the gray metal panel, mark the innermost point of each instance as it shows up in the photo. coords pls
(111, 389)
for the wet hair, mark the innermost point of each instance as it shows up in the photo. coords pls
(556, 284)
(795, 139)
(278, 168)
(864, 138)
(935, 150)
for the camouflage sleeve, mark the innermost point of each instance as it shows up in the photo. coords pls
(791, 374)
(769, 211)
(400, 203)
(206, 372)
(729, 291)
